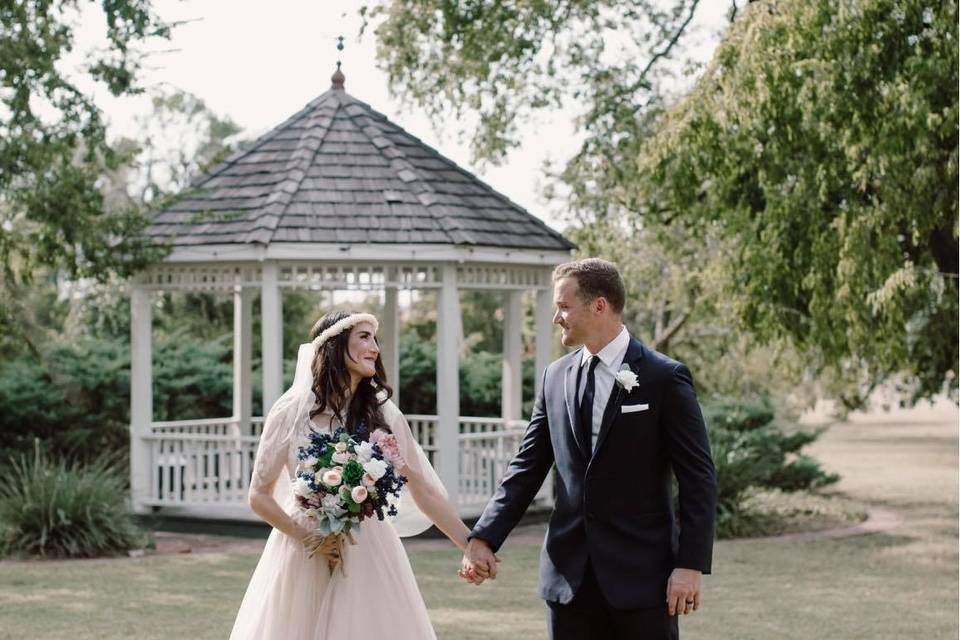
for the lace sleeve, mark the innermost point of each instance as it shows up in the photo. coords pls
(271, 452)
(410, 520)
(406, 441)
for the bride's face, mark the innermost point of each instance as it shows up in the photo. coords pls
(362, 351)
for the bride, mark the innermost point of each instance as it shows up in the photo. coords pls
(294, 594)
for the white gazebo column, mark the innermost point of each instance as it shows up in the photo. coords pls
(390, 337)
(511, 389)
(141, 398)
(242, 357)
(271, 308)
(543, 323)
(242, 383)
(448, 384)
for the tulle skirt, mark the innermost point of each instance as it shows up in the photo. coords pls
(293, 597)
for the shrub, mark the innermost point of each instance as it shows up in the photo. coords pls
(192, 376)
(65, 509)
(75, 397)
(751, 451)
(480, 379)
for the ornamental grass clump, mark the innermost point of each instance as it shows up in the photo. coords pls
(64, 509)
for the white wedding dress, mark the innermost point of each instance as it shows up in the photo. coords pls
(293, 597)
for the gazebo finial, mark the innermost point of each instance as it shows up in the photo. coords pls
(337, 78)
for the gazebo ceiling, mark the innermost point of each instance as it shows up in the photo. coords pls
(340, 172)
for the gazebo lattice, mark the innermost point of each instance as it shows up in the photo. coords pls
(337, 198)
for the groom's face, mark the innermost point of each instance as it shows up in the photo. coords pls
(573, 314)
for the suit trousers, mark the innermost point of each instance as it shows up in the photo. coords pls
(588, 616)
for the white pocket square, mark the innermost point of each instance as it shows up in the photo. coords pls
(633, 408)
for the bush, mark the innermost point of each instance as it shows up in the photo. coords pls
(418, 370)
(192, 377)
(480, 379)
(75, 397)
(63, 509)
(751, 451)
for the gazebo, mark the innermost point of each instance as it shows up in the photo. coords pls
(337, 197)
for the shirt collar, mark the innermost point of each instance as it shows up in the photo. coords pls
(615, 349)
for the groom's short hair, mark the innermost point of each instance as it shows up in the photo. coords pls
(595, 277)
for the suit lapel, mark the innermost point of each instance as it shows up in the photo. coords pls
(633, 355)
(570, 396)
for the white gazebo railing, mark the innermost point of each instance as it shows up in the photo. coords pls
(208, 463)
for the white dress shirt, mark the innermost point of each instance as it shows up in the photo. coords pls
(604, 375)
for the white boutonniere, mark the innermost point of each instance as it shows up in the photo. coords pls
(626, 378)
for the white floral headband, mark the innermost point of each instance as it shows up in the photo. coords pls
(346, 323)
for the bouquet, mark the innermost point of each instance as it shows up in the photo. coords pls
(340, 482)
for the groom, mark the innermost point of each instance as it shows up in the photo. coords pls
(618, 420)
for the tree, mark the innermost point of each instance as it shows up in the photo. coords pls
(494, 65)
(821, 143)
(611, 58)
(810, 175)
(181, 139)
(54, 148)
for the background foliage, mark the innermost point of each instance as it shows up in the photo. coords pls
(821, 147)
(798, 205)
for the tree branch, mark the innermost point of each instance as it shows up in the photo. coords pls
(671, 330)
(673, 41)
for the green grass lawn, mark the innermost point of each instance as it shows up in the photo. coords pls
(898, 584)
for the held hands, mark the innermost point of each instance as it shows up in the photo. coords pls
(479, 562)
(683, 591)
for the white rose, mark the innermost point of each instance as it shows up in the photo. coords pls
(376, 468)
(301, 488)
(332, 478)
(340, 447)
(368, 480)
(359, 494)
(340, 457)
(626, 379)
(364, 451)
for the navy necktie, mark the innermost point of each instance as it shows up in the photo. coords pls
(586, 405)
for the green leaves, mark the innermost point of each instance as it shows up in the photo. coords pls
(53, 145)
(822, 140)
(493, 66)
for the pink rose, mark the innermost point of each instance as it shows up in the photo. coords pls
(332, 478)
(359, 494)
(390, 448)
(368, 480)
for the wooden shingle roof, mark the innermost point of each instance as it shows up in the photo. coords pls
(340, 172)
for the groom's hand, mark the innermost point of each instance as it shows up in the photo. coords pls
(683, 591)
(479, 562)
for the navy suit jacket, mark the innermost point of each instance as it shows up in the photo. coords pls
(615, 506)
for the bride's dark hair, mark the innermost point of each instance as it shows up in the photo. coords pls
(331, 381)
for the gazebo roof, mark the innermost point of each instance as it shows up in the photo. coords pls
(340, 172)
